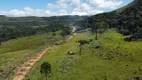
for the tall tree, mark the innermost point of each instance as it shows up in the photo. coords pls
(45, 69)
(97, 25)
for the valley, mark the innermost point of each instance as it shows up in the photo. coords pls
(102, 46)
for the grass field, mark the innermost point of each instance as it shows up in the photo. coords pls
(114, 60)
(14, 52)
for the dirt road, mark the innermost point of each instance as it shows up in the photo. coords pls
(28, 65)
(20, 75)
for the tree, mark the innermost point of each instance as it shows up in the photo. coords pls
(45, 69)
(63, 34)
(65, 31)
(97, 25)
(135, 11)
(83, 42)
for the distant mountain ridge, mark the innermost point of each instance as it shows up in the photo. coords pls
(68, 20)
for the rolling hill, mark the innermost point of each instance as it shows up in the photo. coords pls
(127, 20)
(108, 58)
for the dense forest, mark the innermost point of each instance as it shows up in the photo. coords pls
(126, 19)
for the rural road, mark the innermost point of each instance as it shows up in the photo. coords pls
(20, 75)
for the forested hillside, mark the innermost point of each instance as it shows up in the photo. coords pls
(128, 21)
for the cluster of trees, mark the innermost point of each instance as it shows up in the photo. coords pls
(98, 26)
(66, 30)
(7, 33)
(128, 22)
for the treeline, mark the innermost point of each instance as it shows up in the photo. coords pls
(12, 32)
(15, 27)
(68, 20)
(128, 22)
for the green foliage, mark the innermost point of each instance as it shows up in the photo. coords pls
(54, 34)
(127, 21)
(15, 27)
(83, 42)
(115, 60)
(65, 31)
(45, 69)
(15, 52)
(98, 25)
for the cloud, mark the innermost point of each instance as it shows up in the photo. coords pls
(63, 12)
(47, 13)
(67, 7)
(62, 1)
(57, 5)
(93, 12)
(26, 12)
(14, 13)
(40, 13)
(75, 2)
(78, 13)
(105, 3)
(50, 5)
(63, 5)
(83, 7)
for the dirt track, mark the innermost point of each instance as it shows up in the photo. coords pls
(20, 75)
(28, 65)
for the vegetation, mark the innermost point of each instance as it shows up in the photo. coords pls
(65, 31)
(115, 59)
(98, 25)
(8, 32)
(45, 69)
(128, 21)
(109, 57)
(15, 27)
(83, 42)
(15, 52)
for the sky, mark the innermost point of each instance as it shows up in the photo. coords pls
(40, 8)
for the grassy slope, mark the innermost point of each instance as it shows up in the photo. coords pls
(115, 60)
(15, 52)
